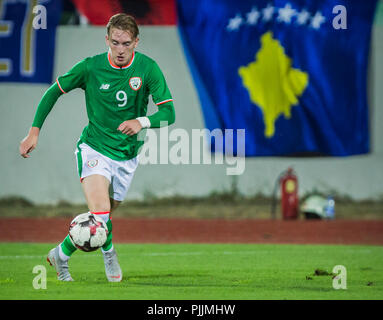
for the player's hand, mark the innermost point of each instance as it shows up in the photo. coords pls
(130, 127)
(29, 143)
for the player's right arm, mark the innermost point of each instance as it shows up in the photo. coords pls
(75, 78)
(46, 104)
(29, 142)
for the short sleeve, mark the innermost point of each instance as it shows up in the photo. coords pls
(158, 87)
(74, 78)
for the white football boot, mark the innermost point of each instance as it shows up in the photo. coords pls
(112, 268)
(60, 265)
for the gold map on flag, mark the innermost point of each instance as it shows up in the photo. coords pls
(272, 83)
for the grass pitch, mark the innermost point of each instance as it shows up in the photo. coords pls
(199, 272)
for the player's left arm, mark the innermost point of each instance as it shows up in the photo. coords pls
(158, 88)
(165, 115)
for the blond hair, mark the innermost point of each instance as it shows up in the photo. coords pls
(123, 22)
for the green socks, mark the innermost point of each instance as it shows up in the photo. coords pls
(108, 244)
(67, 248)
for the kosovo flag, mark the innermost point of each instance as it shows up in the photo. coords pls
(292, 74)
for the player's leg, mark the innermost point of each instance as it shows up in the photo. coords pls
(123, 172)
(108, 246)
(96, 175)
(96, 192)
(95, 185)
(94, 172)
(112, 267)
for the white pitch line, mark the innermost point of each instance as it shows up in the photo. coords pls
(21, 257)
(173, 253)
(150, 254)
(170, 253)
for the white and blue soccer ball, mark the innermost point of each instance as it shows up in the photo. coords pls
(88, 232)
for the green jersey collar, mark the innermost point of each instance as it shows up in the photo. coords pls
(117, 67)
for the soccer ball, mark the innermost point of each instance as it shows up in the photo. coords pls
(88, 232)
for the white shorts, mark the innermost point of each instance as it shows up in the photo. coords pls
(119, 173)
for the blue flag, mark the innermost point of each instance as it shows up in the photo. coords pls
(293, 73)
(27, 40)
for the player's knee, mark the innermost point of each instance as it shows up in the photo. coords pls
(99, 206)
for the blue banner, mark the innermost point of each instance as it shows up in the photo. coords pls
(293, 74)
(27, 39)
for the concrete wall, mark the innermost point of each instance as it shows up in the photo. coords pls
(50, 174)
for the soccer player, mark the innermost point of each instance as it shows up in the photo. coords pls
(117, 85)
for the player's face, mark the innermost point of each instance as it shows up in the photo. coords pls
(121, 44)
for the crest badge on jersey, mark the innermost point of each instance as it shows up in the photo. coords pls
(135, 83)
(92, 163)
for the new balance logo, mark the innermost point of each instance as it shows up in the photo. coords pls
(105, 86)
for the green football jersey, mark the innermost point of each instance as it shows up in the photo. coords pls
(113, 95)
